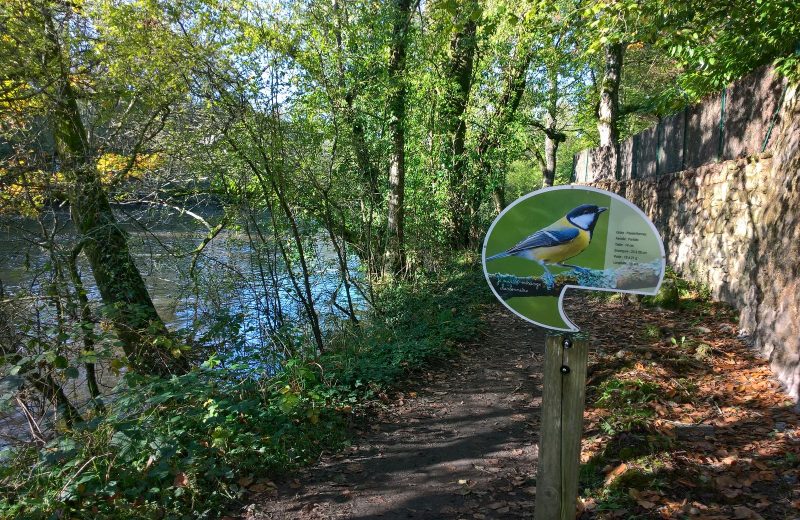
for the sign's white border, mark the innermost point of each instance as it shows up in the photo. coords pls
(573, 328)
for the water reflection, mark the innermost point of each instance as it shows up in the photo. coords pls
(230, 285)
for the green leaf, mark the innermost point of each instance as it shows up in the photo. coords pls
(60, 362)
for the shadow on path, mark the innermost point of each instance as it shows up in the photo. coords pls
(464, 447)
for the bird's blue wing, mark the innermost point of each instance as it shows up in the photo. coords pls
(546, 238)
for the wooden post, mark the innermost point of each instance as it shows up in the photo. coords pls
(563, 397)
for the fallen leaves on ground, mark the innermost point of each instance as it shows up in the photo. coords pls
(697, 427)
(683, 421)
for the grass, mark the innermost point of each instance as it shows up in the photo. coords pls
(628, 403)
(651, 332)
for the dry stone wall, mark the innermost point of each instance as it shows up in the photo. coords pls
(735, 226)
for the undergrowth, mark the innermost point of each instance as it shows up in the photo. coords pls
(676, 292)
(179, 447)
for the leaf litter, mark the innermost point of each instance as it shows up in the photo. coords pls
(683, 418)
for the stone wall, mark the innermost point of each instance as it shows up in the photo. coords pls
(735, 226)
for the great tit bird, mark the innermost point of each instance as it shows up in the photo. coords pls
(561, 240)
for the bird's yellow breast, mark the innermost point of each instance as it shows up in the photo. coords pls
(565, 251)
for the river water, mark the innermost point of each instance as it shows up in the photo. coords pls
(230, 304)
(231, 281)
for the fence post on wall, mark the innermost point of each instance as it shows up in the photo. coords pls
(574, 174)
(586, 166)
(698, 118)
(659, 132)
(685, 131)
(774, 117)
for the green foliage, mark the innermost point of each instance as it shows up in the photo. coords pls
(651, 332)
(278, 109)
(668, 296)
(721, 41)
(676, 293)
(177, 447)
(423, 321)
(628, 403)
(522, 177)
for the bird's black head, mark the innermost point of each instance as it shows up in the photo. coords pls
(585, 216)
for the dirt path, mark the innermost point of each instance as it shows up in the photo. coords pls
(460, 445)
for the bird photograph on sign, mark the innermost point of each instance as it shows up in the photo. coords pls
(569, 237)
(561, 240)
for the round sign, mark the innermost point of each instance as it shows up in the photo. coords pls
(569, 237)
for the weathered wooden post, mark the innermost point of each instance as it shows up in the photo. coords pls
(563, 396)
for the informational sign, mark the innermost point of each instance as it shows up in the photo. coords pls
(569, 237)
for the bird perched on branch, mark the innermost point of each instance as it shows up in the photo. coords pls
(563, 239)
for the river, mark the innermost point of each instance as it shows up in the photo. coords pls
(230, 278)
(228, 304)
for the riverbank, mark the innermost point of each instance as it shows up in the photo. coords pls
(192, 445)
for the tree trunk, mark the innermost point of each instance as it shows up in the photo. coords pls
(608, 109)
(551, 141)
(499, 198)
(87, 328)
(367, 168)
(550, 150)
(125, 297)
(395, 261)
(308, 299)
(459, 82)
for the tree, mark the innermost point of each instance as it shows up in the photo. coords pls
(520, 46)
(612, 25)
(41, 67)
(557, 84)
(458, 82)
(608, 107)
(396, 102)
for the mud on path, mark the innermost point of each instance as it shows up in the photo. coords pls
(461, 444)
